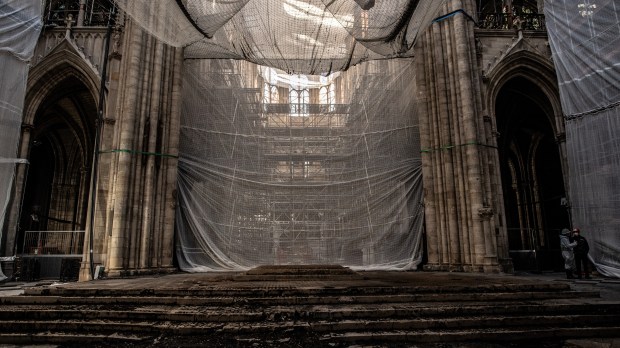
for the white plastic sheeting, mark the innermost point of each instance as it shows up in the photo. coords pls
(297, 36)
(281, 168)
(585, 41)
(20, 25)
(296, 169)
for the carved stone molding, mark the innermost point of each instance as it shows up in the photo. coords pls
(486, 213)
(560, 137)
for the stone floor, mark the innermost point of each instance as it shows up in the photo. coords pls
(609, 288)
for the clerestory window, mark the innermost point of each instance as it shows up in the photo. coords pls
(270, 94)
(327, 96)
(299, 100)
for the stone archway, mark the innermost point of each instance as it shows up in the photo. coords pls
(60, 147)
(532, 175)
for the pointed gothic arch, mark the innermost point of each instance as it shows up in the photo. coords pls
(57, 139)
(524, 98)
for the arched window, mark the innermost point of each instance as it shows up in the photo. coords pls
(327, 96)
(332, 97)
(270, 94)
(299, 100)
(266, 94)
(324, 95)
(364, 18)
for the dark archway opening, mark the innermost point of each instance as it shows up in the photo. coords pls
(532, 181)
(60, 153)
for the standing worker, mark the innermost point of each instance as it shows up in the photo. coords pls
(581, 253)
(567, 252)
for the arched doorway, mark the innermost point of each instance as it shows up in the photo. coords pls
(532, 180)
(60, 154)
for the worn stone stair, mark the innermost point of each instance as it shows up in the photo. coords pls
(404, 309)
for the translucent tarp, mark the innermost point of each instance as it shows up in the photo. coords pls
(277, 168)
(585, 41)
(297, 36)
(295, 169)
(20, 25)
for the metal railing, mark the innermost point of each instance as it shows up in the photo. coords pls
(53, 243)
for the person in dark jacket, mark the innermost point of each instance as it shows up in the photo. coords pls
(581, 253)
(566, 245)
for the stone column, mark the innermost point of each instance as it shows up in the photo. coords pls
(12, 223)
(143, 172)
(458, 156)
(164, 245)
(81, 13)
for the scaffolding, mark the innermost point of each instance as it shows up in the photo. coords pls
(293, 181)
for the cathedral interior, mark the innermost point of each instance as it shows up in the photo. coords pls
(207, 136)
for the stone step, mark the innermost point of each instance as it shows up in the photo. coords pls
(378, 308)
(290, 290)
(68, 339)
(512, 336)
(307, 313)
(305, 300)
(311, 273)
(413, 331)
(191, 327)
(475, 338)
(146, 328)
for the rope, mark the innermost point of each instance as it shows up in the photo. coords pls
(592, 112)
(454, 13)
(448, 147)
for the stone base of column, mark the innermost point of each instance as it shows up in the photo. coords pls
(506, 266)
(435, 267)
(120, 273)
(473, 268)
(492, 268)
(85, 274)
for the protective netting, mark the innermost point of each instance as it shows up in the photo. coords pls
(585, 39)
(20, 24)
(295, 169)
(297, 36)
(278, 168)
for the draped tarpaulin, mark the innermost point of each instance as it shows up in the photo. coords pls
(20, 25)
(296, 36)
(585, 41)
(294, 169)
(299, 139)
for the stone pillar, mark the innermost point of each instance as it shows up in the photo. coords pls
(459, 159)
(14, 214)
(144, 165)
(81, 13)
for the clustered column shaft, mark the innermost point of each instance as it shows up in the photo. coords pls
(141, 203)
(457, 158)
